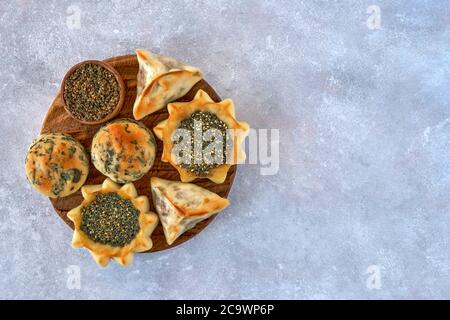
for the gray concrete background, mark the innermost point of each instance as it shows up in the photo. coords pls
(364, 119)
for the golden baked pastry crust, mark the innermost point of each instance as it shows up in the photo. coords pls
(161, 80)
(56, 165)
(123, 150)
(225, 111)
(158, 130)
(181, 205)
(103, 253)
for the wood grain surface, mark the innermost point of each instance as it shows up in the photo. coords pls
(58, 120)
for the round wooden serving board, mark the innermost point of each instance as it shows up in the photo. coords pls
(58, 120)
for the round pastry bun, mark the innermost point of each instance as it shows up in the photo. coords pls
(56, 165)
(123, 150)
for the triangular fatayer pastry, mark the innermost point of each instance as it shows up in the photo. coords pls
(181, 205)
(161, 80)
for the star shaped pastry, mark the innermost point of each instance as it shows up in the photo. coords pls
(112, 222)
(214, 121)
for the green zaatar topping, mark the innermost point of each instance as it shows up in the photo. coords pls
(91, 92)
(110, 220)
(73, 175)
(202, 121)
(72, 151)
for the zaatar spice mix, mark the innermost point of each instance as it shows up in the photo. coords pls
(91, 92)
(110, 219)
(203, 121)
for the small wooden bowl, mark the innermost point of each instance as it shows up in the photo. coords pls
(119, 80)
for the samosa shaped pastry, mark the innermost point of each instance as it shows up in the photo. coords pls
(182, 205)
(161, 80)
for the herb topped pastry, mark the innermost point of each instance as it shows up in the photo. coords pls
(160, 80)
(112, 222)
(123, 150)
(202, 138)
(56, 165)
(182, 205)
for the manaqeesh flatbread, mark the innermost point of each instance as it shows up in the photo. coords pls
(56, 165)
(123, 150)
